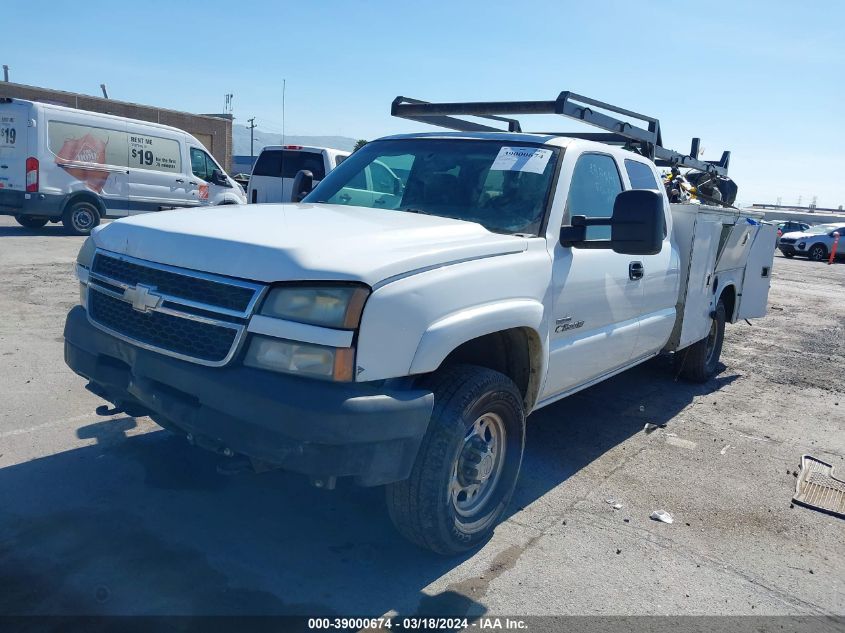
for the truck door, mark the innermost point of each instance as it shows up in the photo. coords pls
(595, 301)
(660, 273)
(13, 146)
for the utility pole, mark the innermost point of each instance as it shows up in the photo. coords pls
(5, 72)
(251, 127)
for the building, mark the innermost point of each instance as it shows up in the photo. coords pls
(242, 164)
(212, 130)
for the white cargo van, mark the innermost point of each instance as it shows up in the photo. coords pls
(277, 166)
(75, 166)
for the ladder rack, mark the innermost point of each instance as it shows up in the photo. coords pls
(646, 140)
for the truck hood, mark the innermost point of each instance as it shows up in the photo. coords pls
(280, 242)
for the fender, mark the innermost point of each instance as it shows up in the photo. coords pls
(446, 334)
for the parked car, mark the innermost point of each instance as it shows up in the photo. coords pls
(790, 226)
(75, 166)
(401, 338)
(813, 243)
(277, 165)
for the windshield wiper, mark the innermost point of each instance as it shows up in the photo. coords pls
(413, 210)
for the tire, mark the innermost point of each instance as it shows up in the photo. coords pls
(30, 222)
(467, 466)
(80, 217)
(817, 253)
(699, 361)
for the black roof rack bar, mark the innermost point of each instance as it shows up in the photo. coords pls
(448, 122)
(648, 140)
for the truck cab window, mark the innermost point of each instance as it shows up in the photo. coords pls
(640, 175)
(595, 185)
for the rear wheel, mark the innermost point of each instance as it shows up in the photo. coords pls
(817, 253)
(699, 361)
(467, 465)
(80, 217)
(30, 222)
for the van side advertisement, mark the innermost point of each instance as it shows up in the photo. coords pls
(79, 149)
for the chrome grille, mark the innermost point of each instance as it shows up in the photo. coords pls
(178, 284)
(178, 312)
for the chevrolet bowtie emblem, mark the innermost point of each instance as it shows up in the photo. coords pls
(142, 298)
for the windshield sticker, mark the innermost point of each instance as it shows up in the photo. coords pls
(530, 159)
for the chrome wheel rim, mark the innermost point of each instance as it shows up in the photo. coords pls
(82, 219)
(817, 254)
(479, 465)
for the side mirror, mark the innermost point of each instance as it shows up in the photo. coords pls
(303, 183)
(637, 223)
(636, 226)
(219, 178)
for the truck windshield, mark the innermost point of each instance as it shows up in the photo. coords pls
(504, 186)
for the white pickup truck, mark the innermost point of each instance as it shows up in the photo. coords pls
(405, 345)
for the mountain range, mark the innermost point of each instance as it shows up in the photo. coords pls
(240, 140)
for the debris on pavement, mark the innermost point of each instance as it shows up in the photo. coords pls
(662, 516)
(818, 489)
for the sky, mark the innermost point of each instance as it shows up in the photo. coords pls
(765, 80)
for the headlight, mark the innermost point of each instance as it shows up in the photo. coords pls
(327, 306)
(316, 361)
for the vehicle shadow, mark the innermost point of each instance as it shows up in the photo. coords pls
(143, 524)
(46, 231)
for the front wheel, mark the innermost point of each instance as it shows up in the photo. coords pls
(818, 253)
(467, 466)
(30, 222)
(80, 218)
(699, 361)
(788, 255)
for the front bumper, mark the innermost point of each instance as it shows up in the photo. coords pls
(323, 429)
(789, 249)
(45, 205)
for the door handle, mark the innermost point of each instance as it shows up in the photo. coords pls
(636, 270)
(344, 197)
(191, 182)
(180, 180)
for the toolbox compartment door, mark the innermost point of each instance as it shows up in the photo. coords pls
(758, 274)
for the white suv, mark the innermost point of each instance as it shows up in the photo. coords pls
(815, 243)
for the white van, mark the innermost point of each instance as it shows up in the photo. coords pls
(75, 166)
(277, 166)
